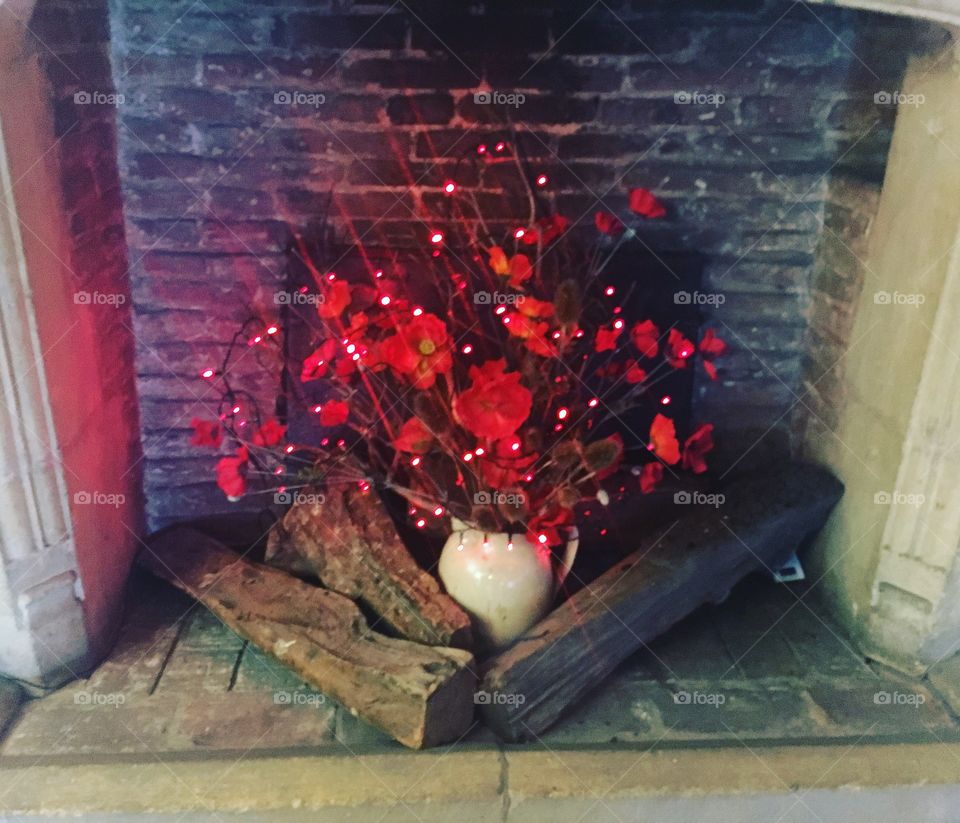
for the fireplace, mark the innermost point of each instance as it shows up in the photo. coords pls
(162, 159)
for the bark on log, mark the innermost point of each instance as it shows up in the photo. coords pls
(421, 695)
(763, 519)
(349, 543)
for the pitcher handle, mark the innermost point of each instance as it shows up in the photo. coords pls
(569, 555)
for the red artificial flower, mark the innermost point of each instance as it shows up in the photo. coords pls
(552, 227)
(650, 477)
(420, 350)
(606, 339)
(712, 345)
(532, 307)
(414, 437)
(520, 270)
(643, 202)
(206, 433)
(608, 223)
(496, 404)
(336, 298)
(498, 261)
(232, 474)
(316, 365)
(549, 523)
(710, 369)
(504, 465)
(645, 336)
(533, 333)
(270, 433)
(663, 440)
(696, 446)
(334, 413)
(530, 237)
(635, 374)
(680, 349)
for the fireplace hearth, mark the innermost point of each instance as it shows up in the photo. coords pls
(776, 181)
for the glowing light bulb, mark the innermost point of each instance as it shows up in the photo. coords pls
(332, 276)
(467, 349)
(385, 300)
(272, 329)
(378, 273)
(351, 348)
(438, 511)
(618, 324)
(449, 187)
(207, 373)
(479, 451)
(436, 237)
(236, 410)
(415, 462)
(609, 291)
(417, 311)
(421, 523)
(593, 402)
(562, 414)
(468, 457)
(518, 233)
(542, 538)
(278, 470)
(510, 546)
(665, 400)
(500, 310)
(542, 180)
(482, 148)
(556, 335)
(515, 446)
(500, 146)
(316, 409)
(685, 353)
(289, 449)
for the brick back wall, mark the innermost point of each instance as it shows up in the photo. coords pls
(215, 170)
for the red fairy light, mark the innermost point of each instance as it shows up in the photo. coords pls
(556, 335)
(449, 187)
(542, 180)
(482, 148)
(254, 340)
(289, 449)
(385, 300)
(411, 511)
(278, 470)
(417, 311)
(438, 511)
(468, 457)
(415, 462)
(579, 334)
(500, 146)
(665, 400)
(325, 441)
(421, 523)
(436, 237)
(272, 329)
(282, 489)
(515, 446)
(603, 532)
(351, 348)
(479, 452)
(467, 349)
(510, 546)
(618, 309)
(317, 409)
(236, 410)
(378, 273)
(542, 538)
(500, 310)
(609, 291)
(593, 402)
(562, 414)
(356, 356)
(207, 373)
(506, 321)
(332, 276)
(528, 477)
(618, 324)
(518, 233)
(558, 427)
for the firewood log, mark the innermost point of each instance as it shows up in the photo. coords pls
(347, 541)
(420, 695)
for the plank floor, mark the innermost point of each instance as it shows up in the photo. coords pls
(766, 665)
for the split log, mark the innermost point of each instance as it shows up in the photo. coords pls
(350, 544)
(421, 695)
(762, 520)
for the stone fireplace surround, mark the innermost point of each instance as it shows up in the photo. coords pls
(867, 386)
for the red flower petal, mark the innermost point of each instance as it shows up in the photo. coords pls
(712, 345)
(270, 433)
(608, 223)
(643, 202)
(206, 433)
(334, 413)
(606, 339)
(663, 440)
(414, 437)
(650, 477)
(696, 446)
(645, 337)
